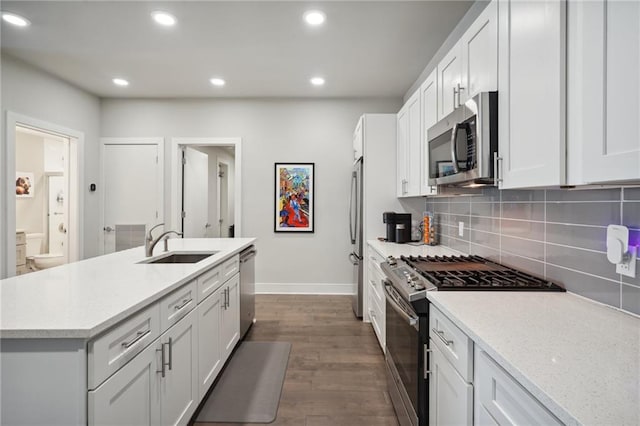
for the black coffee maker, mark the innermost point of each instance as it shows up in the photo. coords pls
(398, 226)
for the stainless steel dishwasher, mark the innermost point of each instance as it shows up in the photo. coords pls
(247, 289)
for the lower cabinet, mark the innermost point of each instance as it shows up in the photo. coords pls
(158, 386)
(501, 400)
(209, 348)
(375, 298)
(230, 320)
(450, 396)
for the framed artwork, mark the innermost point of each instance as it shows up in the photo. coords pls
(24, 185)
(294, 197)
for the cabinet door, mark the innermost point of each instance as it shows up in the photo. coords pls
(130, 396)
(402, 150)
(608, 67)
(449, 80)
(179, 387)
(429, 98)
(450, 396)
(414, 160)
(500, 399)
(531, 95)
(209, 350)
(480, 54)
(230, 329)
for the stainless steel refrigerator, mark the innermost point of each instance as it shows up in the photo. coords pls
(355, 231)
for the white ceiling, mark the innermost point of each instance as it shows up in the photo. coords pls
(261, 48)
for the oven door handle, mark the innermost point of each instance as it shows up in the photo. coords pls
(413, 321)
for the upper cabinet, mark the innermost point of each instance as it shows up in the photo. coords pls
(604, 91)
(479, 46)
(429, 99)
(450, 81)
(531, 97)
(409, 148)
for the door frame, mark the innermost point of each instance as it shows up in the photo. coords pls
(219, 198)
(76, 213)
(159, 141)
(176, 175)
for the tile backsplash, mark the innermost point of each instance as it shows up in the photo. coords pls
(557, 234)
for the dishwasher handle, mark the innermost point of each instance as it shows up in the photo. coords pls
(247, 255)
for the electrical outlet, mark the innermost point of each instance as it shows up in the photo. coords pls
(628, 268)
(461, 229)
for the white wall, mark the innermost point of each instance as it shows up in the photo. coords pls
(318, 131)
(30, 211)
(34, 93)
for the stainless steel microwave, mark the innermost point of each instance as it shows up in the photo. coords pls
(462, 145)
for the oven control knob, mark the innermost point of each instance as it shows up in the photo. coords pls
(419, 286)
(391, 260)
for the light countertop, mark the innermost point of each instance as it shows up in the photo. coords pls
(579, 358)
(396, 250)
(82, 299)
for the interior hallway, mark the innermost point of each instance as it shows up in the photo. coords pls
(336, 371)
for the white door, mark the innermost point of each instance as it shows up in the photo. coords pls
(209, 351)
(179, 387)
(230, 330)
(402, 147)
(415, 136)
(132, 181)
(449, 81)
(429, 90)
(195, 193)
(450, 396)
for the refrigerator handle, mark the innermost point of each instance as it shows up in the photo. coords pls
(354, 178)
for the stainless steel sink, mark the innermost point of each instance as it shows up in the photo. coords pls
(180, 258)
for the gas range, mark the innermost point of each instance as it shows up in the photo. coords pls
(413, 276)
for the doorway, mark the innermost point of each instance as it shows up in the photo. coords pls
(44, 212)
(206, 187)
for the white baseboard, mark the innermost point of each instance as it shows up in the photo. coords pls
(304, 288)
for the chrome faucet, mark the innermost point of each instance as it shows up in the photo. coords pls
(150, 242)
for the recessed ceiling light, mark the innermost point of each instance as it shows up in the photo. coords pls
(217, 82)
(164, 18)
(314, 17)
(14, 19)
(317, 81)
(120, 82)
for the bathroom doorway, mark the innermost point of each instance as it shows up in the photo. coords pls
(44, 209)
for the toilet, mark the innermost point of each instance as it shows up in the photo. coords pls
(38, 260)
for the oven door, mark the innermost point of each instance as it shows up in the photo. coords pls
(403, 349)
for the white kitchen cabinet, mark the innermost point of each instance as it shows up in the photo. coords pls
(501, 400)
(158, 386)
(531, 95)
(375, 295)
(449, 81)
(604, 91)
(450, 396)
(409, 147)
(479, 46)
(179, 396)
(209, 342)
(230, 319)
(429, 99)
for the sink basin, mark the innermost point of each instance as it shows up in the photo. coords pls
(180, 258)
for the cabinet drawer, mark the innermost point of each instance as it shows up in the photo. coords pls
(176, 305)
(375, 258)
(500, 399)
(230, 267)
(118, 346)
(209, 282)
(21, 255)
(375, 280)
(21, 238)
(454, 344)
(377, 317)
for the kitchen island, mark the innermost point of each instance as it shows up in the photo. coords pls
(70, 333)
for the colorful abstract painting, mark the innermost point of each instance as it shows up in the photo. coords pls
(294, 197)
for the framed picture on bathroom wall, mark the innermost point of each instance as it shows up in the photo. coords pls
(24, 185)
(294, 197)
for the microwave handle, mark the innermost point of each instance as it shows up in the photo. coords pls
(454, 146)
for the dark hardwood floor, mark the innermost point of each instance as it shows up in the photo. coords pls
(336, 372)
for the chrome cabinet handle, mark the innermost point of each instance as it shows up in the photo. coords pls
(139, 336)
(185, 302)
(455, 92)
(440, 334)
(162, 362)
(170, 364)
(426, 361)
(460, 89)
(497, 162)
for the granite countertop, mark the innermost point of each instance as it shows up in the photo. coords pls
(579, 358)
(396, 250)
(83, 299)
